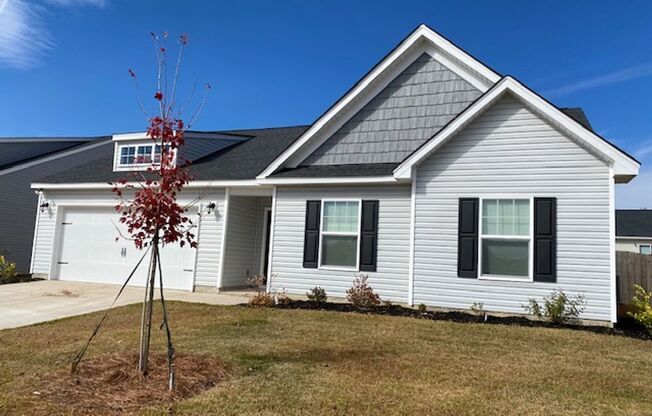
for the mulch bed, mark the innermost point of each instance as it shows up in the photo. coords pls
(626, 327)
(111, 384)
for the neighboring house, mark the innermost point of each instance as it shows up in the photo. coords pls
(634, 230)
(445, 182)
(22, 161)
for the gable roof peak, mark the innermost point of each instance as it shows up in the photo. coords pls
(423, 38)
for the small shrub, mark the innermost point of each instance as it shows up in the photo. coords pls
(557, 307)
(261, 300)
(478, 310)
(642, 307)
(361, 295)
(257, 282)
(280, 297)
(317, 294)
(422, 308)
(7, 271)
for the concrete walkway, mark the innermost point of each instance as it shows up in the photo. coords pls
(30, 303)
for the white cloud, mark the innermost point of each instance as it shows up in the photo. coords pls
(644, 150)
(634, 72)
(24, 38)
(69, 3)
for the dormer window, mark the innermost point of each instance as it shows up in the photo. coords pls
(137, 156)
(140, 155)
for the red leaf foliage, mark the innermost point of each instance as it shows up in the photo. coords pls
(153, 209)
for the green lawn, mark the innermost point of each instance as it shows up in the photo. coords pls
(292, 362)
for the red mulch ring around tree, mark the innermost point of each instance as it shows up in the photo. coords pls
(111, 384)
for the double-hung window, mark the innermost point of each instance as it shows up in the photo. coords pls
(340, 234)
(505, 238)
(138, 156)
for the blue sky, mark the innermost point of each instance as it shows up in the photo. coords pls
(63, 63)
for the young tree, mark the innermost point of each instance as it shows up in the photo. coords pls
(148, 205)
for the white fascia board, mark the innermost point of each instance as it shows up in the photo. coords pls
(51, 157)
(622, 164)
(328, 181)
(106, 185)
(422, 33)
(629, 237)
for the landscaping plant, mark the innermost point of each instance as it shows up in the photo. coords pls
(148, 204)
(478, 310)
(642, 307)
(557, 307)
(7, 271)
(361, 295)
(317, 294)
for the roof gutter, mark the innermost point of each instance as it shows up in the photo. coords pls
(251, 183)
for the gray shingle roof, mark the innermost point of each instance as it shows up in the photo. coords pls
(577, 114)
(634, 222)
(335, 171)
(17, 150)
(238, 160)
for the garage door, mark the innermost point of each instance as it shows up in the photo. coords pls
(89, 252)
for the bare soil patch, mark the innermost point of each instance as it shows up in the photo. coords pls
(111, 384)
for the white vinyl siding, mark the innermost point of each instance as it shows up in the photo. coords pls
(509, 150)
(390, 280)
(209, 239)
(239, 263)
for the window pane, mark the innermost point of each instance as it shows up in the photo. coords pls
(339, 250)
(506, 217)
(505, 257)
(144, 154)
(341, 216)
(127, 155)
(645, 249)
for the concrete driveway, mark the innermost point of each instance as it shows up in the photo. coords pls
(40, 301)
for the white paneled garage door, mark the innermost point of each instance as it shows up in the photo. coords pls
(88, 252)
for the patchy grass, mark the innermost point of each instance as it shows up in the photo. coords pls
(295, 362)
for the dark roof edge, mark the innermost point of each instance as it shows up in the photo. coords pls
(54, 153)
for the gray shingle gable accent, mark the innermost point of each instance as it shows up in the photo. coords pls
(406, 113)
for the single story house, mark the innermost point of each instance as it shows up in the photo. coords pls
(444, 181)
(634, 230)
(24, 160)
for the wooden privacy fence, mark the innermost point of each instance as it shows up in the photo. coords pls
(632, 269)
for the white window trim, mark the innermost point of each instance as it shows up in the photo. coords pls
(349, 234)
(118, 167)
(530, 277)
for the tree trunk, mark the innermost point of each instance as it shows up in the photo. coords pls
(168, 332)
(146, 325)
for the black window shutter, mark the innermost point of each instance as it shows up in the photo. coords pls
(311, 235)
(545, 240)
(369, 236)
(467, 238)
